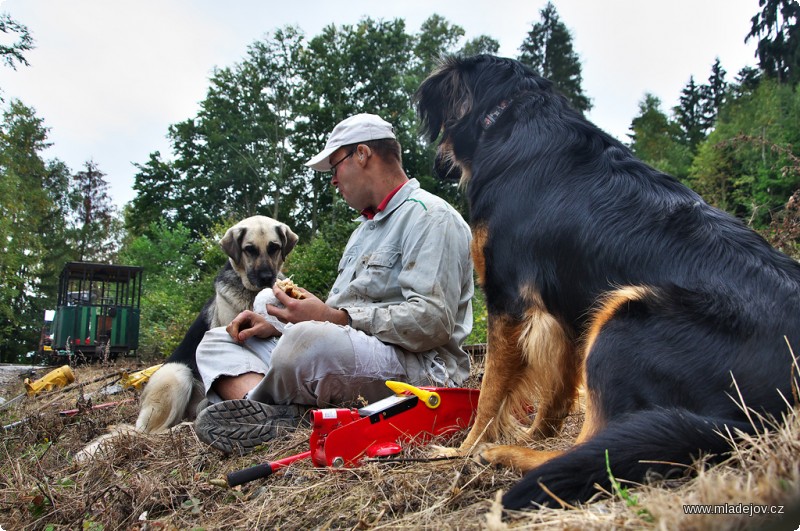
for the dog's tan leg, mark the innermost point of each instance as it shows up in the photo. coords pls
(505, 369)
(505, 389)
(504, 362)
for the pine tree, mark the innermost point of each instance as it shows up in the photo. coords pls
(548, 50)
(689, 115)
(746, 82)
(714, 94)
(777, 29)
(96, 226)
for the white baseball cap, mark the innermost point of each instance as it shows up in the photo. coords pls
(358, 128)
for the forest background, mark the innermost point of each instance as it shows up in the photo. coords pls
(734, 139)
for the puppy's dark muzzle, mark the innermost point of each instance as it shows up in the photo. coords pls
(444, 168)
(262, 278)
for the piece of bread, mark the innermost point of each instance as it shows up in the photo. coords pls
(290, 288)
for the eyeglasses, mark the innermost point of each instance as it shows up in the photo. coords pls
(333, 166)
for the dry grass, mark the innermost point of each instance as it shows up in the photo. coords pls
(168, 482)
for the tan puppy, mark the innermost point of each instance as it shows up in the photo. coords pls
(256, 247)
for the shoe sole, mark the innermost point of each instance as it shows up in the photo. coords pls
(238, 426)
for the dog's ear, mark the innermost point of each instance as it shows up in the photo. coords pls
(288, 239)
(443, 97)
(231, 243)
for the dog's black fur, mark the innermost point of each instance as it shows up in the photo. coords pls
(230, 281)
(570, 214)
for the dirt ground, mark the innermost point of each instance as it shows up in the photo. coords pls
(12, 375)
(174, 481)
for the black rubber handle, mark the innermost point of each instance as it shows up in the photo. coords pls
(241, 477)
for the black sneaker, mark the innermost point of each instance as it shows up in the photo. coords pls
(238, 426)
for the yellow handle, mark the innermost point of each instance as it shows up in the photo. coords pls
(138, 379)
(430, 398)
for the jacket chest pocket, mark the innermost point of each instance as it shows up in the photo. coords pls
(378, 276)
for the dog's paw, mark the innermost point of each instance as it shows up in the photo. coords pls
(491, 455)
(438, 452)
(517, 458)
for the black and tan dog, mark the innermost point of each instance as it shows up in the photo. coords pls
(257, 247)
(598, 267)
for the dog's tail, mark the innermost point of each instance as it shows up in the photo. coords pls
(661, 441)
(169, 394)
(166, 398)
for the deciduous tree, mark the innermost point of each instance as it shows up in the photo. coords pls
(655, 139)
(179, 270)
(12, 53)
(32, 233)
(746, 164)
(235, 158)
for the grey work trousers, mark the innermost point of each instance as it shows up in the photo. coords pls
(314, 363)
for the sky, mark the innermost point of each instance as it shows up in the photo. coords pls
(108, 77)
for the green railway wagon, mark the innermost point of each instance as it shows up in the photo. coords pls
(97, 313)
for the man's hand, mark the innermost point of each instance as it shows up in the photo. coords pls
(248, 324)
(310, 308)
